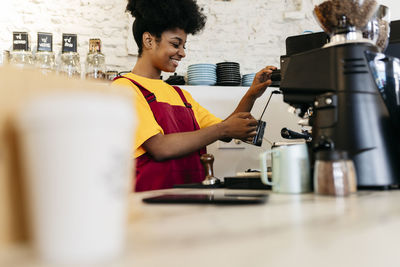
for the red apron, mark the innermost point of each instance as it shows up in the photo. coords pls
(151, 174)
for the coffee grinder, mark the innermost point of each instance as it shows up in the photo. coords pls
(334, 89)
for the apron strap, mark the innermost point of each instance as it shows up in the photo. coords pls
(179, 90)
(149, 96)
(189, 106)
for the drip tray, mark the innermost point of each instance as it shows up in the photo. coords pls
(200, 186)
(240, 182)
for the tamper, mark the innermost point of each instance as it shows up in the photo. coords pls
(207, 160)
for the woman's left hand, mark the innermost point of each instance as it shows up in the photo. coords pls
(261, 81)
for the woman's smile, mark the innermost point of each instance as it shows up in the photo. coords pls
(175, 62)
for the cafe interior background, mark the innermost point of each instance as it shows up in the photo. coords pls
(250, 32)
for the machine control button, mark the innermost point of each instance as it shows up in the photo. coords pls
(328, 101)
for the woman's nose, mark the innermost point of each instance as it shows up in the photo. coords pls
(181, 52)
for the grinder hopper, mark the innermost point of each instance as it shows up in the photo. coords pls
(345, 20)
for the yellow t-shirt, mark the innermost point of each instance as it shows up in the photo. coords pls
(147, 125)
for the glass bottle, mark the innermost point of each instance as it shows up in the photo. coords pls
(350, 171)
(95, 61)
(70, 60)
(4, 57)
(21, 55)
(44, 58)
(111, 75)
(334, 174)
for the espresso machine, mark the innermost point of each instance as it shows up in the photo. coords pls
(347, 89)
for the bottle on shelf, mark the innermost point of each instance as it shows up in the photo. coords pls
(21, 55)
(4, 57)
(95, 61)
(44, 58)
(111, 74)
(70, 61)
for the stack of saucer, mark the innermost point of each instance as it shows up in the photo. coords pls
(228, 74)
(247, 79)
(202, 74)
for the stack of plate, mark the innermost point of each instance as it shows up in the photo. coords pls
(202, 74)
(228, 74)
(247, 79)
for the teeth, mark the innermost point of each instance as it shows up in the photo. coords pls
(175, 62)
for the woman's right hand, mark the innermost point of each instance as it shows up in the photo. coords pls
(240, 125)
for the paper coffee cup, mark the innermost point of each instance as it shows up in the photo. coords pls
(76, 150)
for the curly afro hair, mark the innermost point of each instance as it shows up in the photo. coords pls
(157, 16)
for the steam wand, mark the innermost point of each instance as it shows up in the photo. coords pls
(289, 134)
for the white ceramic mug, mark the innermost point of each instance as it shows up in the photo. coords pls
(290, 169)
(76, 150)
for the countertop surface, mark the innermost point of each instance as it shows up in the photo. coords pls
(288, 230)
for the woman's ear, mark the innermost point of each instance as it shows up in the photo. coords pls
(148, 40)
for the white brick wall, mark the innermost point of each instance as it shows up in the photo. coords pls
(251, 32)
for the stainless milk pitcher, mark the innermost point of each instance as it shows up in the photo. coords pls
(290, 168)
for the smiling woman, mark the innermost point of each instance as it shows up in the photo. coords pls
(173, 128)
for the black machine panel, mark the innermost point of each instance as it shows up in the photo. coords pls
(348, 111)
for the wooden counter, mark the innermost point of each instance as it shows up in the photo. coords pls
(288, 230)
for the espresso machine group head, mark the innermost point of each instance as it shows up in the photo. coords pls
(335, 85)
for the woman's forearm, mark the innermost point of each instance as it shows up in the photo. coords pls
(260, 83)
(246, 103)
(163, 147)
